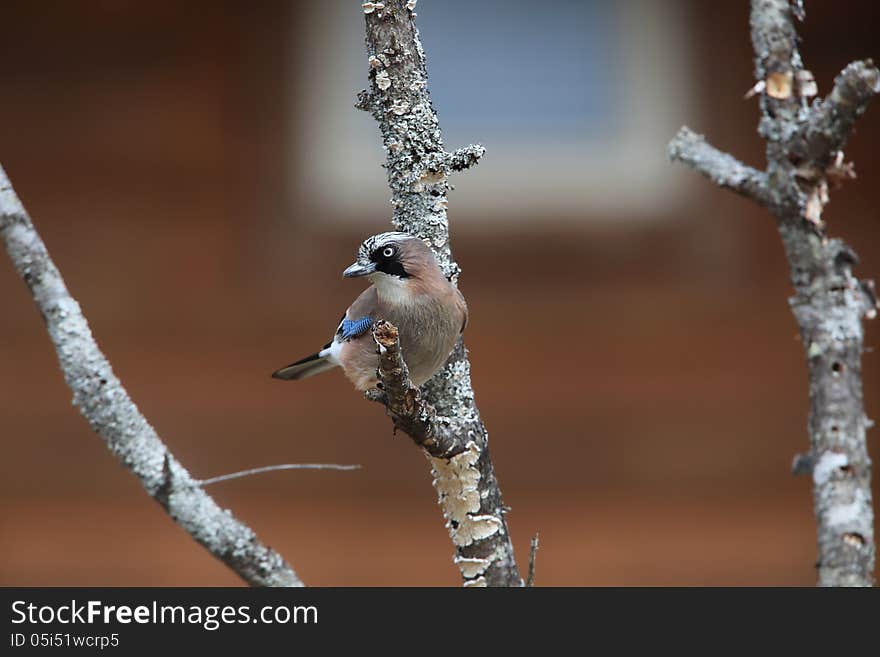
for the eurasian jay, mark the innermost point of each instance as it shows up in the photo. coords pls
(409, 290)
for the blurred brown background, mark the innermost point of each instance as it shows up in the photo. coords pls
(201, 179)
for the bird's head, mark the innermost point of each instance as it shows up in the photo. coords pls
(397, 256)
(398, 264)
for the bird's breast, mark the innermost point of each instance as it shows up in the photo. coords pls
(428, 330)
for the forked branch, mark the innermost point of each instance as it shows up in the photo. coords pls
(804, 142)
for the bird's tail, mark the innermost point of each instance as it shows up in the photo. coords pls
(302, 369)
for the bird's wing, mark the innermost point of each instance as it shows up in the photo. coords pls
(356, 322)
(354, 328)
(359, 317)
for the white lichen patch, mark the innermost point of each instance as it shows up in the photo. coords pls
(807, 84)
(849, 514)
(9, 201)
(841, 324)
(471, 567)
(457, 483)
(374, 62)
(826, 465)
(400, 107)
(383, 81)
(475, 528)
(411, 4)
(480, 582)
(370, 7)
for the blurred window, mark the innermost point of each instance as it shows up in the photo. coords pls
(502, 69)
(574, 100)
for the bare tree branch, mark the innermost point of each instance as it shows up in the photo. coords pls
(418, 168)
(113, 415)
(831, 121)
(404, 402)
(719, 167)
(829, 303)
(464, 158)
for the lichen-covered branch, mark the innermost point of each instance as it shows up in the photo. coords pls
(418, 169)
(804, 141)
(113, 415)
(405, 403)
(719, 167)
(831, 121)
(464, 158)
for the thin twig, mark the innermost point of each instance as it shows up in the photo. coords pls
(273, 468)
(832, 120)
(719, 167)
(533, 554)
(464, 158)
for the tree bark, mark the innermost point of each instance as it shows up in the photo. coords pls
(114, 417)
(418, 174)
(804, 142)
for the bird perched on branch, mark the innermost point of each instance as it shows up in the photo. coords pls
(410, 291)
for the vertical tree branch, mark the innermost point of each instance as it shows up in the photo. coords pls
(113, 415)
(804, 142)
(418, 170)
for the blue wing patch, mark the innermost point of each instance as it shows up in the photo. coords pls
(353, 328)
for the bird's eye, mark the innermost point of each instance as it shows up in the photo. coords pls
(388, 251)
